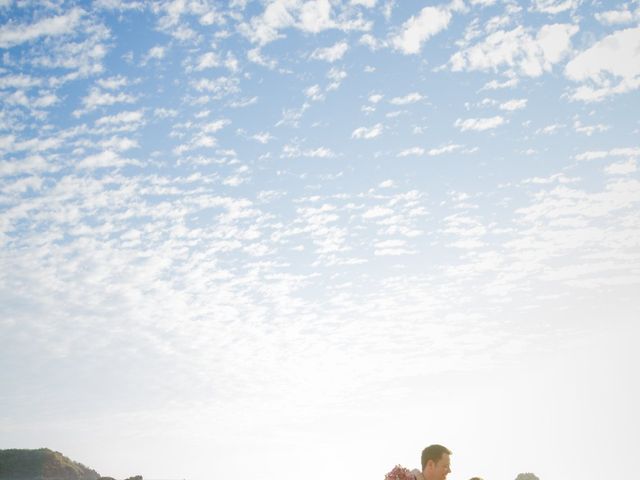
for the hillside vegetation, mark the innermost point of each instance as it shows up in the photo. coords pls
(41, 464)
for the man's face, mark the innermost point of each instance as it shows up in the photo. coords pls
(438, 470)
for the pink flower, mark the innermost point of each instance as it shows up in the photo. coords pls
(399, 473)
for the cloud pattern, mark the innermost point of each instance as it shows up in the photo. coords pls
(238, 191)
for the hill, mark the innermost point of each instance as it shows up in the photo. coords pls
(41, 464)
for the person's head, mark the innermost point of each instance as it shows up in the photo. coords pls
(475, 478)
(435, 462)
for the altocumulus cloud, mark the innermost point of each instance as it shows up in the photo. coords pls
(479, 124)
(12, 34)
(419, 28)
(615, 57)
(265, 210)
(368, 133)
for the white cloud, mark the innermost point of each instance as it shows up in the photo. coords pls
(20, 81)
(614, 152)
(364, 3)
(611, 66)
(555, 6)
(496, 85)
(20, 186)
(516, 104)
(622, 168)
(231, 62)
(312, 16)
(104, 159)
(165, 112)
(589, 129)
(615, 17)
(19, 97)
(418, 29)
(118, 144)
(314, 93)
(113, 83)
(7, 142)
(336, 76)
(556, 177)
(377, 212)
(407, 99)
(219, 87)
(198, 141)
(255, 55)
(264, 28)
(432, 152)
(517, 49)
(292, 116)
(468, 244)
(98, 98)
(294, 151)
(564, 202)
(135, 116)
(207, 60)
(331, 54)
(483, 3)
(555, 42)
(550, 129)
(37, 144)
(315, 16)
(214, 126)
(118, 4)
(211, 18)
(392, 248)
(12, 34)
(367, 133)
(157, 52)
(201, 136)
(263, 137)
(479, 124)
(32, 165)
(469, 232)
(80, 57)
(413, 151)
(452, 147)
(243, 102)
(371, 42)
(320, 152)
(170, 18)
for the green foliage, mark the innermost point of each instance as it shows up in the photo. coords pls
(41, 464)
(527, 476)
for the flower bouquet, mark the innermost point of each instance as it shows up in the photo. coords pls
(399, 473)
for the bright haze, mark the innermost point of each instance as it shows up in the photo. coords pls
(305, 239)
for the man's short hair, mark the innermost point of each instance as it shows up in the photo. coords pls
(433, 452)
(475, 478)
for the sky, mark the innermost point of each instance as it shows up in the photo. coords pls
(307, 238)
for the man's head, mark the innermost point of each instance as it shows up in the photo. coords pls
(435, 462)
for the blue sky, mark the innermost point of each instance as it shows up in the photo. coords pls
(312, 237)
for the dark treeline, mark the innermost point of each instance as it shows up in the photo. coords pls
(44, 464)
